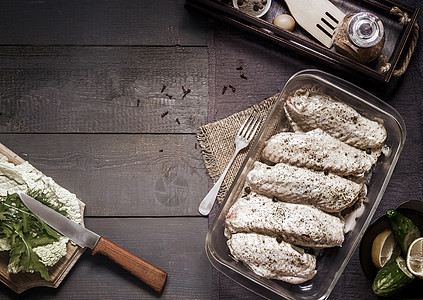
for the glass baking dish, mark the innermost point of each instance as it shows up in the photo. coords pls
(331, 262)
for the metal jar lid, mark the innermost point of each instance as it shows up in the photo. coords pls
(365, 30)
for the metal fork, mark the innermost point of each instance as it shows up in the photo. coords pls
(242, 139)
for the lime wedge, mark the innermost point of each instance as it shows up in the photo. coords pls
(384, 248)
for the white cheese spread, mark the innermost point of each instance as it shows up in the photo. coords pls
(24, 177)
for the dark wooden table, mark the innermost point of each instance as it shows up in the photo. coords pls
(81, 99)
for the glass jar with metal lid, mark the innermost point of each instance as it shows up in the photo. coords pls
(360, 36)
(365, 30)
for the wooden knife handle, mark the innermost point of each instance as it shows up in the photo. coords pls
(149, 274)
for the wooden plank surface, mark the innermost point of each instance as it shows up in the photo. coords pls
(102, 89)
(81, 99)
(123, 174)
(175, 245)
(100, 22)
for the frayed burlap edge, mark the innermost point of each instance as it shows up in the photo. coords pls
(217, 143)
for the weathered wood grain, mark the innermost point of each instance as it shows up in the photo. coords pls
(123, 174)
(99, 22)
(102, 89)
(175, 245)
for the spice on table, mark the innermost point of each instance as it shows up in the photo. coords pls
(225, 87)
(233, 88)
(243, 76)
(169, 96)
(177, 121)
(161, 150)
(279, 239)
(164, 114)
(163, 88)
(239, 68)
(247, 189)
(186, 92)
(195, 146)
(138, 102)
(275, 199)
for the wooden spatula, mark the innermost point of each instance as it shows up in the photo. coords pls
(318, 17)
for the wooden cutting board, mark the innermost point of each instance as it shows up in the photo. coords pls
(23, 280)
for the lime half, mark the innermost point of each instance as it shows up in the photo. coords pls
(415, 258)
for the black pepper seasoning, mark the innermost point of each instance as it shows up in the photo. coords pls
(279, 239)
(247, 189)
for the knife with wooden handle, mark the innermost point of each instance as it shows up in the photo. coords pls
(83, 237)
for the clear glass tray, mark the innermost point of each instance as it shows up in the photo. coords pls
(332, 261)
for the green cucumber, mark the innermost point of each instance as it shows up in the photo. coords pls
(392, 278)
(404, 230)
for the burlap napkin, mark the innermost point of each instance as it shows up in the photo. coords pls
(217, 142)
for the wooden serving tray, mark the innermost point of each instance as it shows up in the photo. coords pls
(399, 43)
(24, 280)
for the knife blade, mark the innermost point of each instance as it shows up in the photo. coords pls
(83, 237)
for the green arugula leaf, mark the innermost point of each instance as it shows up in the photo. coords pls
(25, 231)
(3, 215)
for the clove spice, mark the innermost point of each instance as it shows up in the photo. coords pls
(233, 88)
(163, 88)
(186, 91)
(225, 87)
(164, 114)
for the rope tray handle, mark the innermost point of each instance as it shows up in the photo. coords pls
(404, 20)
